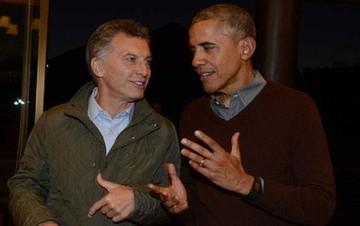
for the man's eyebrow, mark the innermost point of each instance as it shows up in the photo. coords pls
(130, 54)
(207, 44)
(203, 44)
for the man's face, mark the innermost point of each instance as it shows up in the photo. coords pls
(217, 57)
(124, 72)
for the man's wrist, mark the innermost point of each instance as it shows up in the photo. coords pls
(256, 191)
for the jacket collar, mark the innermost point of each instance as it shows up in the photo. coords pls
(144, 116)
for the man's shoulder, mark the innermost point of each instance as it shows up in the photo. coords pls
(285, 93)
(56, 110)
(144, 111)
(163, 120)
(54, 114)
(78, 102)
(279, 96)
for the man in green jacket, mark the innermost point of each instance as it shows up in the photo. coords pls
(87, 161)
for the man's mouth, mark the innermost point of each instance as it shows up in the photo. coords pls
(204, 73)
(139, 84)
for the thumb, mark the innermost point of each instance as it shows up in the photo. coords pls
(235, 146)
(106, 184)
(172, 172)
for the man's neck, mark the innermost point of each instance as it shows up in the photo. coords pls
(111, 107)
(244, 79)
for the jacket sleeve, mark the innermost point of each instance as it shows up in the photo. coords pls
(148, 210)
(310, 200)
(28, 187)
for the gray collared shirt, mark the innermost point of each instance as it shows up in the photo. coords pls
(240, 99)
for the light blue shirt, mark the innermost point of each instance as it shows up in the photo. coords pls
(109, 127)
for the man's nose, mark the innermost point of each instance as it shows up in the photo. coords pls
(198, 59)
(143, 69)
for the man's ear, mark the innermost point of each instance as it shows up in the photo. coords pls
(247, 47)
(97, 67)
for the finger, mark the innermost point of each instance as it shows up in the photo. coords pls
(105, 184)
(172, 172)
(161, 193)
(171, 203)
(111, 213)
(118, 218)
(197, 148)
(96, 206)
(123, 214)
(105, 209)
(178, 208)
(157, 189)
(171, 169)
(214, 146)
(191, 155)
(235, 146)
(173, 209)
(202, 170)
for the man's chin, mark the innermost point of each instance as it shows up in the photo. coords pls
(136, 98)
(209, 90)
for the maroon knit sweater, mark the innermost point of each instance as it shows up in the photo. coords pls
(281, 140)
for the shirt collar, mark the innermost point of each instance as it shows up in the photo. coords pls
(240, 99)
(94, 109)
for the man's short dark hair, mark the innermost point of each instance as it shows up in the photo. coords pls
(98, 44)
(236, 20)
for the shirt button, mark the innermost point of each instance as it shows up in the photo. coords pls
(133, 137)
(93, 164)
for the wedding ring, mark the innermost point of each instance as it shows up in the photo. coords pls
(202, 161)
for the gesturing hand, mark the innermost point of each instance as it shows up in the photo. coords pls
(222, 168)
(173, 197)
(117, 204)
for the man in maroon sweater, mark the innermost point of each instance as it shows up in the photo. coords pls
(279, 171)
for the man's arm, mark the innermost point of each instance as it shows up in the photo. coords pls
(311, 199)
(28, 187)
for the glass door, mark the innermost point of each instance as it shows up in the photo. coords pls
(23, 29)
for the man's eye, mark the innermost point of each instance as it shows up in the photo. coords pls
(148, 61)
(131, 59)
(207, 48)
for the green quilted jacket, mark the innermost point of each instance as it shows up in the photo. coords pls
(65, 151)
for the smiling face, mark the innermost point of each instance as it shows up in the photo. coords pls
(218, 58)
(124, 72)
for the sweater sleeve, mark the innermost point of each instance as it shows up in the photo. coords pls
(311, 199)
(148, 210)
(28, 187)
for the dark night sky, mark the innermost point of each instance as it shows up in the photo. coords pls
(71, 22)
(328, 32)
